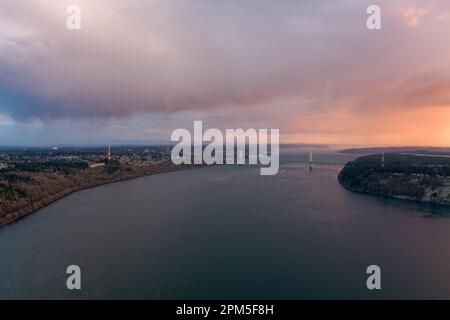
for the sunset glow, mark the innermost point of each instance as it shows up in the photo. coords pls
(137, 70)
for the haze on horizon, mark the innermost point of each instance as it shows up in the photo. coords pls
(138, 70)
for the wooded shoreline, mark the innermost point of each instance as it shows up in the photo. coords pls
(33, 206)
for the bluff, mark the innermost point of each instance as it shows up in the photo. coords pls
(423, 178)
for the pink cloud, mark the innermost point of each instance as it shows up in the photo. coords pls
(261, 62)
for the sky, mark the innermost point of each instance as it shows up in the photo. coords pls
(137, 70)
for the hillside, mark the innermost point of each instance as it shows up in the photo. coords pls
(30, 186)
(405, 176)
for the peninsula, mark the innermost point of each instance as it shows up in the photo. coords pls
(421, 177)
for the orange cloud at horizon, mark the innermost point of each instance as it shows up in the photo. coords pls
(419, 126)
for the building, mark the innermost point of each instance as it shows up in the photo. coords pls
(3, 165)
(96, 165)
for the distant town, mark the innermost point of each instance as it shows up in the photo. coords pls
(92, 157)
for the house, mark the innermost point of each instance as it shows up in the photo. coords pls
(96, 165)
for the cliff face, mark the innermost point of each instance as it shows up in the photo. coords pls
(406, 177)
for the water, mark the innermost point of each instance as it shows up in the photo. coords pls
(227, 232)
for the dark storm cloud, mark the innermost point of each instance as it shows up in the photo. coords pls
(167, 56)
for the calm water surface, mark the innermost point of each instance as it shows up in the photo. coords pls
(227, 232)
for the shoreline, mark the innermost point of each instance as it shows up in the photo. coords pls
(396, 197)
(406, 177)
(19, 214)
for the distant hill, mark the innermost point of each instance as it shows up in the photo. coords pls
(416, 150)
(405, 176)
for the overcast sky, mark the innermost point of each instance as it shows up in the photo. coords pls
(139, 69)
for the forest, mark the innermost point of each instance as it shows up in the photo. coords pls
(404, 176)
(28, 187)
